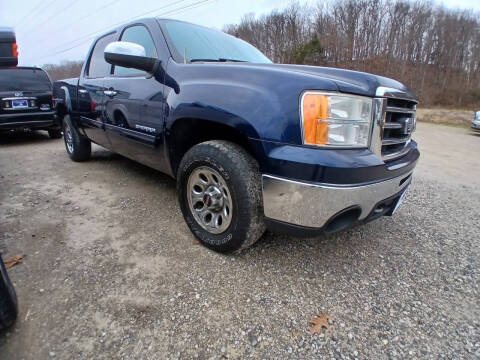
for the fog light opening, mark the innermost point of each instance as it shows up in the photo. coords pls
(343, 220)
(379, 209)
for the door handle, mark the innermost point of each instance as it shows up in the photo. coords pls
(110, 93)
(82, 91)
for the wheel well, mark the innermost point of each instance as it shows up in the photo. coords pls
(186, 133)
(61, 110)
(119, 118)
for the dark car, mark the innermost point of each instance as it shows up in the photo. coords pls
(8, 298)
(26, 101)
(298, 149)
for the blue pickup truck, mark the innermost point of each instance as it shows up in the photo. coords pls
(253, 145)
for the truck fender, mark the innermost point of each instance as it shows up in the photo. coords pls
(68, 101)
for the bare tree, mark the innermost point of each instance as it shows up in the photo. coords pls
(67, 69)
(434, 50)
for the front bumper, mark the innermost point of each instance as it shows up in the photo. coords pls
(316, 206)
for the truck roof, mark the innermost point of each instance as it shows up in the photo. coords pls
(7, 34)
(146, 19)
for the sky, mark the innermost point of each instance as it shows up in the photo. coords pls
(50, 31)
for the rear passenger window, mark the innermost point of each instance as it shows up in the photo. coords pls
(98, 67)
(139, 35)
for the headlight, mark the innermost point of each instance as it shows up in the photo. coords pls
(336, 120)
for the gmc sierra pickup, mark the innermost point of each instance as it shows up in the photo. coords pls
(298, 149)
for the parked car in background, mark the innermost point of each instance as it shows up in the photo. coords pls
(476, 121)
(8, 298)
(26, 101)
(300, 149)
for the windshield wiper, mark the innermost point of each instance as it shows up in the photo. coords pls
(216, 60)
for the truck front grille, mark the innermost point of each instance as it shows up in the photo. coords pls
(398, 126)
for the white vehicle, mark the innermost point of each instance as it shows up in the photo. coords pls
(476, 121)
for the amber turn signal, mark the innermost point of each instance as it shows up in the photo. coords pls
(14, 50)
(315, 114)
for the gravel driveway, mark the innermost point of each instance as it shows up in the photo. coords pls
(112, 271)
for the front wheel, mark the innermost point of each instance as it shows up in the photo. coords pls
(220, 195)
(78, 147)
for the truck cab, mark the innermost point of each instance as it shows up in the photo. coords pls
(298, 149)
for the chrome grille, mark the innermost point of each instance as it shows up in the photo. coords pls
(399, 123)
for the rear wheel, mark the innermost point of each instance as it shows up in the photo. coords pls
(78, 147)
(55, 133)
(8, 299)
(219, 189)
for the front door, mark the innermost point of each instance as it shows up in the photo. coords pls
(91, 92)
(133, 130)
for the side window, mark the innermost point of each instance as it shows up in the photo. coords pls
(98, 67)
(137, 34)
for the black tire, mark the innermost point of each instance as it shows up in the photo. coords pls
(242, 177)
(8, 299)
(78, 147)
(55, 133)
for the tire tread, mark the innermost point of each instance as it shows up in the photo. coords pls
(8, 301)
(251, 191)
(82, 147)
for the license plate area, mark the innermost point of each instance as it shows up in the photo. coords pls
(19, 104)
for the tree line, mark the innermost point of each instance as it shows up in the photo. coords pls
(64, 70)
(432, 49)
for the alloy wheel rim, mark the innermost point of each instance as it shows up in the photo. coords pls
(209, 200)
(68, 139)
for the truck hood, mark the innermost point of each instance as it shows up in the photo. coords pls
(263, 100)
(347, 81)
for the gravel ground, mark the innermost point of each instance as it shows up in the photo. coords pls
(112, 271)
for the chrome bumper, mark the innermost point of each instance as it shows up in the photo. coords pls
(312, 205)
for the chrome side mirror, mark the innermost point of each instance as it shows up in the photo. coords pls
(129, 55)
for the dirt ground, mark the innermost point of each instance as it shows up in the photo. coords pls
(112, 271)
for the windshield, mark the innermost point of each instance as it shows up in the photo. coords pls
(477, 115)
(24, 80)
(196, 43)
